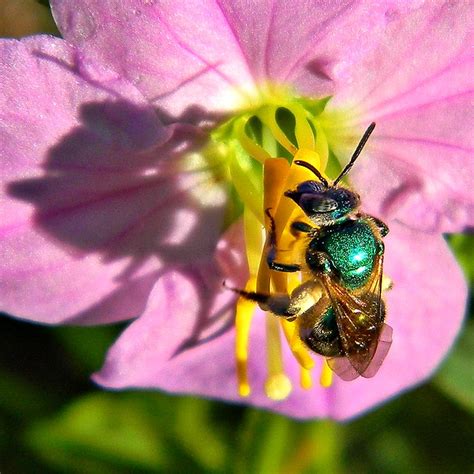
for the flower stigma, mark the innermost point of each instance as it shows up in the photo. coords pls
(259, 146)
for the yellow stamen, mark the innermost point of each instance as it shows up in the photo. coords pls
(253, 240)
(277, 385)
(306, 381)
(243, 318)
(326, 375)
(254, 150)
(322, 147)
(278, 176)
(296, 346)
(274, 178)
(245, 186)
(267, 116)
(303, 132)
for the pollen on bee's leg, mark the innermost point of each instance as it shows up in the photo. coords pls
(277, 385)
(326, 377)
(387, 283)
(243, 318)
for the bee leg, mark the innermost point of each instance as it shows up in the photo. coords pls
(299, 226)
(281, 267)
(381, 226)
(320, 262)
(279, 303)
(380, 248)
(271, 255)
(387, 283)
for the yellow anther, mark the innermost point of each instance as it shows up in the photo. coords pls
(275, 174)
(312, 157)
(243, 318)
(306, 381)
(278, 387)
(325, 379)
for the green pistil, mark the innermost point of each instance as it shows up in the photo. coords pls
(274, 129)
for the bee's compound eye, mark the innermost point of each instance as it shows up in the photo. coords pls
(310, 187)
(322, 205)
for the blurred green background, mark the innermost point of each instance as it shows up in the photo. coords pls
(53, 419)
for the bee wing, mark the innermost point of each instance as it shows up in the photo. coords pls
(364, 338)
(343, 367)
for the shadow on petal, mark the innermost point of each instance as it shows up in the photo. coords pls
(107, 190)
(216, 304)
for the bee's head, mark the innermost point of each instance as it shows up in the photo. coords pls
(324, 205)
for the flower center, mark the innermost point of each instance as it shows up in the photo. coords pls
(261, 145)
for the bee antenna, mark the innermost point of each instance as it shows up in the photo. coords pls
(312, 168)
(356, 153)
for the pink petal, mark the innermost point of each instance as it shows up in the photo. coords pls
(89, 218)
(165, 348)
(417, 85)
(179, 55)
(297, 43)
(420, 55)
(198, 53)
(421, 183)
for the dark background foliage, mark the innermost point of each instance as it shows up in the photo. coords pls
(53, 419)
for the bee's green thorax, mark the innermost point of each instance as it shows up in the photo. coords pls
(352, 248)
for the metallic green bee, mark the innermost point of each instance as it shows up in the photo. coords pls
(344, 256)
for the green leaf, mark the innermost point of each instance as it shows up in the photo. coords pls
(317, 448)
(264, 441)
(197, 434)
(22, 397)
(87, 345)
(102, 432)
(456, 378)
(463, 247)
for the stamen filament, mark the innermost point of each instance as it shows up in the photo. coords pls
(278, 385)
(306, 380)
(267, 116)
(274, 177)
(303, 132)
(299, 351)
(322, 146)
(253, 241)
(326, 375)
(245, 310)
(245, 186)
(253, 149)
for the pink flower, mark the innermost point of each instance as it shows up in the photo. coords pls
(116, 187)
